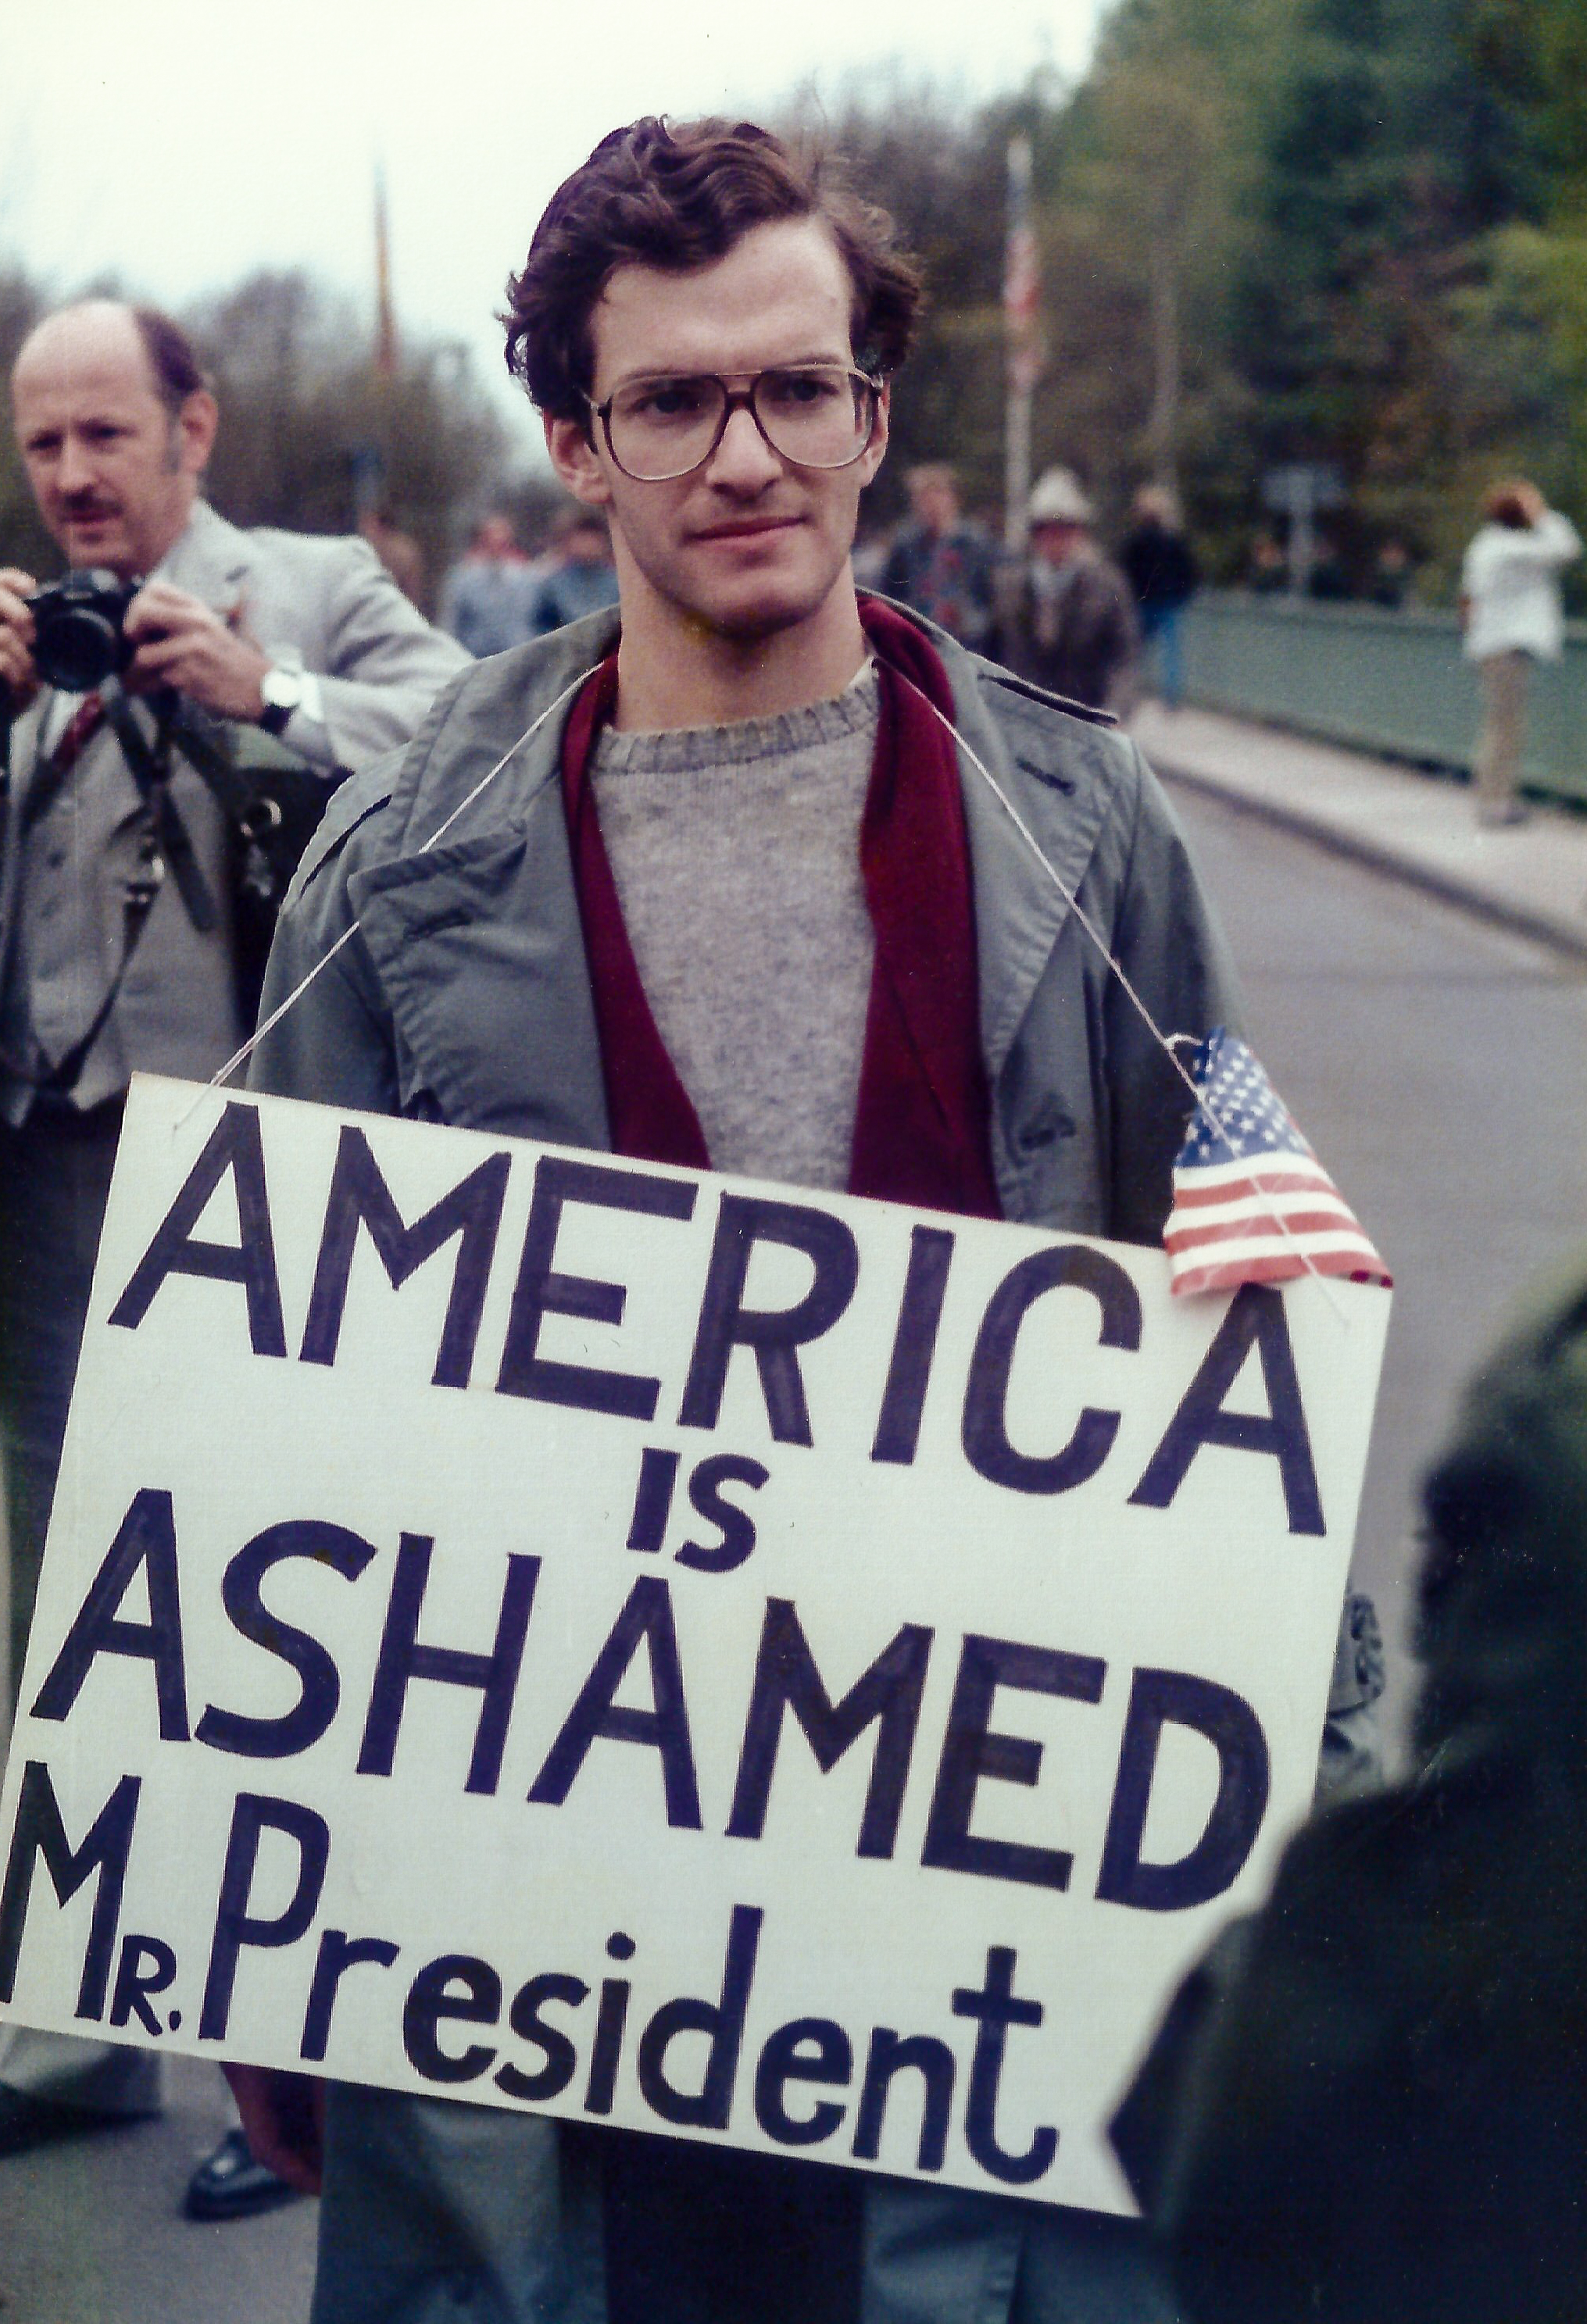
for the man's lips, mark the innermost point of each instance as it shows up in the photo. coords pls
(749, 528)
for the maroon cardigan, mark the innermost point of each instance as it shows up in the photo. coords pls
(921, 1133)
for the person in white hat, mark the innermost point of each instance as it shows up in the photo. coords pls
(1069, 621)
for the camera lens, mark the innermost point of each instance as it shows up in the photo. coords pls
(76, 648)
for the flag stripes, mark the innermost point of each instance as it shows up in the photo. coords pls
(1252, 1201)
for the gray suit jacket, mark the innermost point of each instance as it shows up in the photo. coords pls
(321, 605)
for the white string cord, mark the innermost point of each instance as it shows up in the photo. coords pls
(233, 1064)
(1166, 1042)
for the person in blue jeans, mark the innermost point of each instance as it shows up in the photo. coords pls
(1160, 567)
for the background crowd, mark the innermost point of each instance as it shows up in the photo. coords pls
(1269, 232)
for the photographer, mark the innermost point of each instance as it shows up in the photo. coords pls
(121, 909)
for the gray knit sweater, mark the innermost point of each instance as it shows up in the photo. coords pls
(735, 850)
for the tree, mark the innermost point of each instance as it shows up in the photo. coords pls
(1141, 203)
(302, 404)
(299, 398)
(23, 541)
(1401, 151)
(937, 168)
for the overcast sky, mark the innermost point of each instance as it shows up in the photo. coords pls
(181, 143)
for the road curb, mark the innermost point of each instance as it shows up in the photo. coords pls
(1540, 926)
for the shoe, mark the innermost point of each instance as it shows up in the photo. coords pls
(229, 2185)
(27, 2122)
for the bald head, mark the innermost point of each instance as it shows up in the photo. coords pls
(89, 323)
(116, 425)
(174, 369)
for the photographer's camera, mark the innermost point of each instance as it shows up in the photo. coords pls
(79, 638)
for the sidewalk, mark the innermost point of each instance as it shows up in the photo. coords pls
(90, 2233)
(1531, 878)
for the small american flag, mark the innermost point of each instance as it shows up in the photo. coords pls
(1251, 1203)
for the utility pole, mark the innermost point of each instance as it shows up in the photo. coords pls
(385, 313)
(1163, 425)
(369, 460)
(1022, 343)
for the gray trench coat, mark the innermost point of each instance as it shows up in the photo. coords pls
(462, 995)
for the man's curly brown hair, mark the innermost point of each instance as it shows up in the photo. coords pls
(676, 196)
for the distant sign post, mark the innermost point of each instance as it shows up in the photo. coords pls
(1298, 492)
(763, 1666)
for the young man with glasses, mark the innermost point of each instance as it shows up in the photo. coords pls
(722, 887)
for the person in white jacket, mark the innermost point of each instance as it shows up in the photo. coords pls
(1510, 610)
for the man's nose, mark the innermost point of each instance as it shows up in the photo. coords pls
(75, 467)
(743, 461)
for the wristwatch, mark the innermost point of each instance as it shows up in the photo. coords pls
(283, 691)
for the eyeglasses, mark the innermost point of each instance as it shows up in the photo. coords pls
(817, 416)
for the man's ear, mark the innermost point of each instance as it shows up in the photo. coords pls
(875, 452)
(194, 432)
(573, 457)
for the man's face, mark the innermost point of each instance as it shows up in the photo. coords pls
(749, 544)
(935, 502)
(495, 539)
(1056, 543)
(114, 474)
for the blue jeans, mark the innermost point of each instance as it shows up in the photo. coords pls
(1160, 633)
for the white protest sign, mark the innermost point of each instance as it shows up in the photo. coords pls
(762, 1666)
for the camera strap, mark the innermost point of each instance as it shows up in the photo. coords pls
(136, 900)
(167, 842)
(46, 785)
(149, 764)
(150, 768)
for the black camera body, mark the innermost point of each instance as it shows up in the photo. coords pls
(79, 638)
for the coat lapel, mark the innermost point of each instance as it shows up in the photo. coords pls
(1020, 911)
(482, 962)
(477, 940)
(211, 560)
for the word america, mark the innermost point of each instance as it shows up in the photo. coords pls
(360, 1201)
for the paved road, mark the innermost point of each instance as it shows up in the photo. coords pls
(1441, 1072)
(1440, 1069)
(90, 2234)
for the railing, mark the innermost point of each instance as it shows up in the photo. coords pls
(1390, 682)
